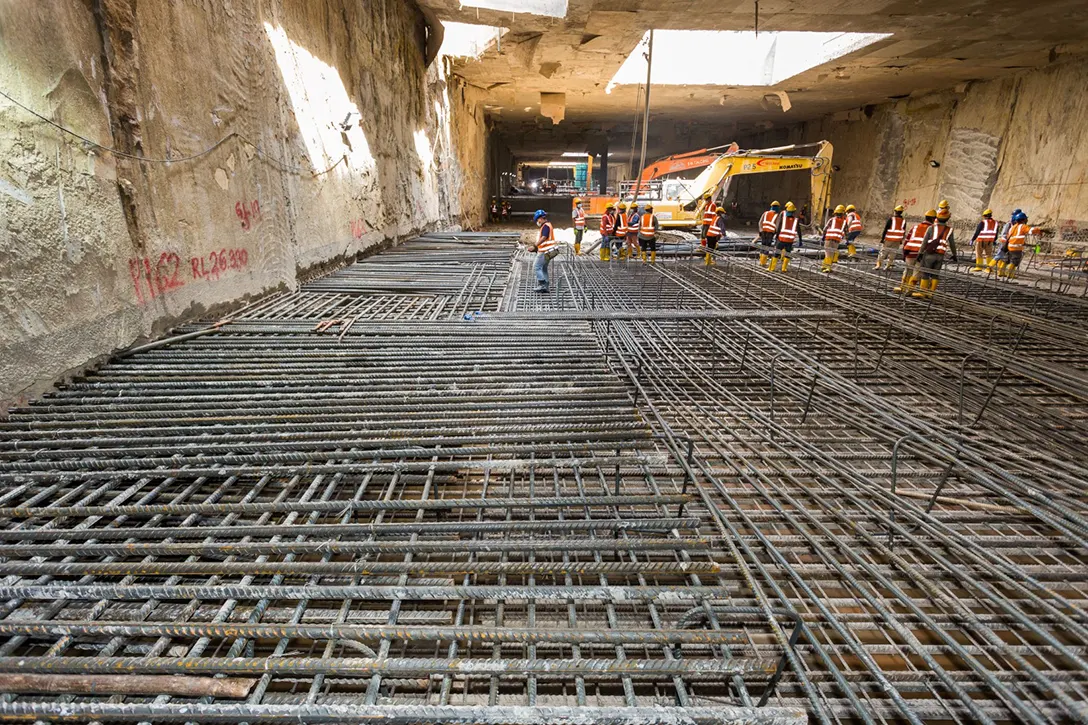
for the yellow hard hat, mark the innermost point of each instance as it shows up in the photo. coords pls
(840, 209)
(851, 207)
(944, 214)
(621, 205)
(943, 204)
(577, 200)
(790, 206)
(706, 194)
(899, 207)
(775, 203)
(931, 212)
(649, 207)
(988, 212)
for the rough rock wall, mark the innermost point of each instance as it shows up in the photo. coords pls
(332, 137)
(1018, 141)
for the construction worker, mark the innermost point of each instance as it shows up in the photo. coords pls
(619, 232)
(937, 242)
(912, 247)
(633, 222)
(578, 218)
(709, 213)
(647, 235)
(1015, 241)
(493, 210)
(853, 229)
(546, 249)
(891, 239)
(834, 233)
(1002, 250)
(608, 221)
(983, 241)
(768, 227)
(504, 209)
(787, 233)
(714, 235)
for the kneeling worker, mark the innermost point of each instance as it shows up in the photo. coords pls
(714, 235)
(647, 234)
(767, 230)
(787, 233)
(937, 242)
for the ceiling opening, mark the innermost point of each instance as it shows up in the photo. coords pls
(468, 40)
(550, 8)
(741, 58)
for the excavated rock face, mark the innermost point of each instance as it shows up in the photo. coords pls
(332, 137)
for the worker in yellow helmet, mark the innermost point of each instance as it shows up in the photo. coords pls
(1015, 241)
(833, 235)
(912, 249)
(891, 239)
(767, 229)
(710, 210)
(787, 233)
(608, 220)
(853, 229)
(619, 235)
(647, 235)
(983, 241)
(938, 241)
(578, 219)
(713, 236)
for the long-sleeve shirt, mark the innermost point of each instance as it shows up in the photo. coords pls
(932, 239)
(780, 220)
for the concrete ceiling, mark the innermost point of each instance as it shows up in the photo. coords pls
(935, 44)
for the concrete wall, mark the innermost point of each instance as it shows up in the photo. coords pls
(1018, 141)
(334, 138)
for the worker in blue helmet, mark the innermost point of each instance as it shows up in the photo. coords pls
(546, 248)
(1002, 253)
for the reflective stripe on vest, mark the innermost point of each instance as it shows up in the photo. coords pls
(714, 230)
(621, 223)
(547, 238)
(917, 234)
(606, 224)
(710, 213)
(632, 223)
(647, 227)
(579, 218)
(766, 222)
(854, 220)
(897, 230)
(989, 231)
(835, 231)
(789, 230)
(1018, 233)
(941, 231)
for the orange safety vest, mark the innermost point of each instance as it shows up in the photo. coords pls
(835, 231)
(579, 218)
(632, 223)
(646, 229)
(621, 223)
(788, 234)
(547, 238)
(897, 230)
(1018, 233)
(607, 221)
(854, 220)
(940, 236)
(766, 222)
(714, 230)
(988, 233)
(710, 213)
(914, 240)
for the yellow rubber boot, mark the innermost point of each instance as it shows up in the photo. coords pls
(642, 256)
(623, 253)
(773, 264)
(923, 289)
(932, 287)
(835, 258)
(606, 254)
(903, 283)
(762, 260)
(785, 263)
(979, 262)
(577, 249)
(1010, 271)
(653, 257)
(851, 250)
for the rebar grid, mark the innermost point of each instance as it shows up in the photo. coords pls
(416, 490)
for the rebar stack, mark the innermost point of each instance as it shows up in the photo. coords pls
(416, 490)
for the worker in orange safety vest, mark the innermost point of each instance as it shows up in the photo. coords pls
(710, 210)
(912, 248)
(578, 219)
(714, 235)
(891, 239)
(983, 241)
(853, 229)
(787, 233)
(834, 234)
(1016, 240)
(767, 229)
(937, 242)
(647, 235)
